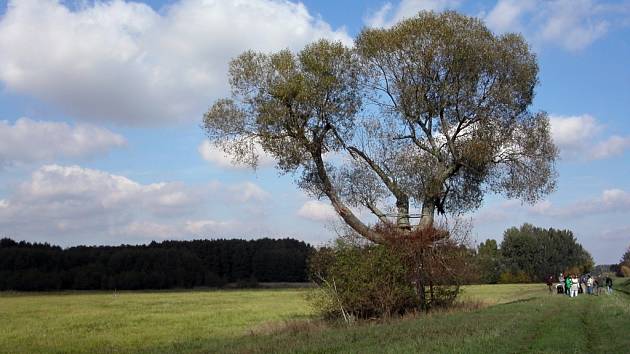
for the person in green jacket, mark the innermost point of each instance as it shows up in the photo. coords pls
(567, 285)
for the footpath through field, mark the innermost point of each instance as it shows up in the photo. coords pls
(523, 319)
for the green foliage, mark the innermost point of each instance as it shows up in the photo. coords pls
(625, 259)
(624, 265)
(449, 119)
(361, 282)
(170, 264)
(514, 278)
(540, 252)
(489, 262)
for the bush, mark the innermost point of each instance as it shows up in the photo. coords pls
(624, 271)
(360, 282)
(413, 270)
(514, 278)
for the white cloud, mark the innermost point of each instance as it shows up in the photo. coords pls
(620, 236)
(507, 15)
(209, 227)
(613, 146)
(73, 201)
(317, 211)
(610, 201)
(145, 228)
(496, 213)
(388, 14)
(124, 62)
(218, 158)
(573, 131)
(71, 205)
(27, 141)
(578, 137)
(572, 24)
(615, 198)
(248, 192)
(541, 207)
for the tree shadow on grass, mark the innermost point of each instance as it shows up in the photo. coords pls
(518, 301)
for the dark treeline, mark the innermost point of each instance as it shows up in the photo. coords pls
(170, 264)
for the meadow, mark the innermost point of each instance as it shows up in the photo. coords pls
(504, 318)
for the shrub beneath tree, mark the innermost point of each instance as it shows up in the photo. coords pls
(410, 272)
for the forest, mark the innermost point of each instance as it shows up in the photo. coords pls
(525, 254)
(26, 266)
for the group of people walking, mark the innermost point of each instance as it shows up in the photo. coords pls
(572, 285)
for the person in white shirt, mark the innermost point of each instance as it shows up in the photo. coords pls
(575, 283)
(589, 285)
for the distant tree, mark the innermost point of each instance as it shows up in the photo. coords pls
(489, 262)
(625, 259)
(624, 264)
(7, 243)
(540, 252)
(431, 113)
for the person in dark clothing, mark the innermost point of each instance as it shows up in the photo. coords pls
(609, 285)
(550, 283)
(597, 286)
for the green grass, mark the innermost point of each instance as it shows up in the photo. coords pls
(132, 321)
(519, 318)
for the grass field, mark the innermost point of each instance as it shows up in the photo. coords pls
(518, 318)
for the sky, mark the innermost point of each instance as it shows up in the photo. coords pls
(101, 104)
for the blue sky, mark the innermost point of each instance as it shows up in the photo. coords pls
(101, 102)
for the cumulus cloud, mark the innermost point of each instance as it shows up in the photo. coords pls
(573, 131)
(72, 204)
(613, 146)
(209, 227)
(620, 235)
(28, 141)
(154, 229)
(579, 137)
(572, 24)
(248, 192)
(124, 62)
(55, 190)
(388, 14)
(507, 15)
(220, 159)
(610, 201)
(317, 211)
(496, 213)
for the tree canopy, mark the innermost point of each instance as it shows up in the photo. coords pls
(540, 252)
(428, 115)
(624, 264)
(168, 264)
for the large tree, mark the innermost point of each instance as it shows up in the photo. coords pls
(540, 252)
(428, 115)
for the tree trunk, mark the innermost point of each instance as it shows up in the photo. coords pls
(422, 297)
(342, 210)
(402, 220)
(428, 212)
